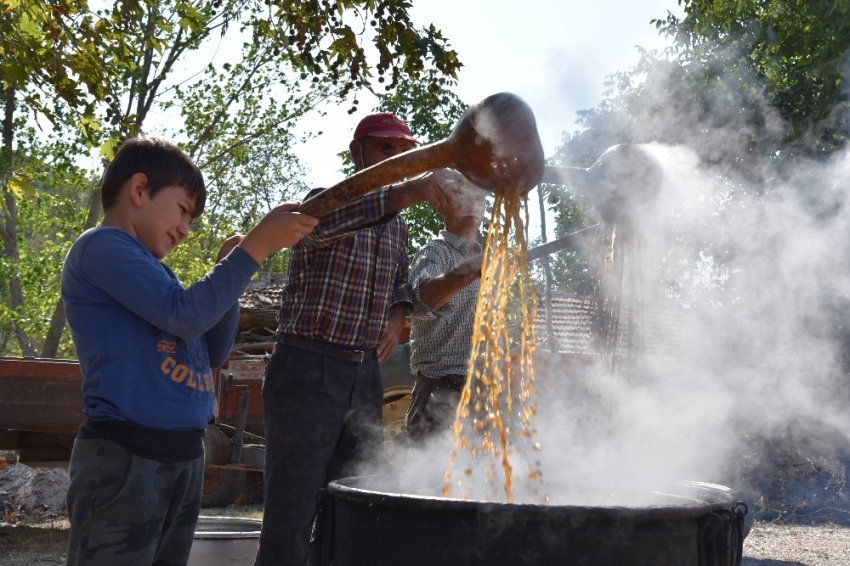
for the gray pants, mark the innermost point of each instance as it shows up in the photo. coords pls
(322, 420)
(433, 404)
(128, 510)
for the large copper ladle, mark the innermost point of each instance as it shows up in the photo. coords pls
(495, 145)
(624, 178)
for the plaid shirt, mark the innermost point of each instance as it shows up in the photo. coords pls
(441, 339)
(346, 274)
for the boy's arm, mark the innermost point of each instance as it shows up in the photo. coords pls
(220, 338)
(117, 264)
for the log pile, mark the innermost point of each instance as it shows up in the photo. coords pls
(258, 308)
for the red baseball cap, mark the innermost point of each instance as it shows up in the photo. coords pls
(383, 125)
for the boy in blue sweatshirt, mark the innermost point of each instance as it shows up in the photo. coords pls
(146, 345)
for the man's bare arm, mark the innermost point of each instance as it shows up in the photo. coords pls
(419, 189)
(438, 291)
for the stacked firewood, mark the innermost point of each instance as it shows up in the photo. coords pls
(258, 307)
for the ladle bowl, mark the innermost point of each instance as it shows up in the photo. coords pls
(495, 145)
(624, 179)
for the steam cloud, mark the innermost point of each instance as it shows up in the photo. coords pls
(746, 299)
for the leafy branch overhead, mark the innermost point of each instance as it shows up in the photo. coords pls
(108, 66)
(228, 80)
(325, 38)
(795, 49)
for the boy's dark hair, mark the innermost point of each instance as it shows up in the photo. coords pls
(162, 162)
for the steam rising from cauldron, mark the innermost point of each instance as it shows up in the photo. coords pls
(739, 339)
(747, 302)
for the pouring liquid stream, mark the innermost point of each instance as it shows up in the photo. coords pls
(495, 420)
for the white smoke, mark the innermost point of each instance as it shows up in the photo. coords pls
(751, 286)
(746, 290)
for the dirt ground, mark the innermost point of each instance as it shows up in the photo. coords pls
(767, 545)
(44, 542)
(788, 529)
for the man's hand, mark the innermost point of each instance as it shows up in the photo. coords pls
(391, 332)
(438, 186)
(433, 187)
(438, 291)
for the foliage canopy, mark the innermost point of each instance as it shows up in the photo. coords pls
(100, 71)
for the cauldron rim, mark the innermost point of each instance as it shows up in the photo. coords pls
(718, 497)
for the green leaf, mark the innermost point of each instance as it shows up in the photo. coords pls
(30, 26)
(192, 20)
(108, 148)
(13, 74)
(20, 186)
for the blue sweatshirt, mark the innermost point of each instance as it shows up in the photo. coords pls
(145, 343)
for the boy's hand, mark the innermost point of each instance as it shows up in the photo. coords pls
(227, 246)
(288, 227)
(279, 228)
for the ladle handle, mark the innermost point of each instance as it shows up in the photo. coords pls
(554, 246)
(425, 158)
(569, 176)
(557, 245)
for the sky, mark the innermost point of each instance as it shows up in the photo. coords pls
(554, 54)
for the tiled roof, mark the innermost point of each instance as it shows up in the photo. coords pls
(667, 330)
(264, 293)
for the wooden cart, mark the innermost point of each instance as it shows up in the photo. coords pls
(41, 411)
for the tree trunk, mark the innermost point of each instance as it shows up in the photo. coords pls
(10, 239)
(57, 322)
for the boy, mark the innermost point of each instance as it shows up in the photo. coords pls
(146, 345)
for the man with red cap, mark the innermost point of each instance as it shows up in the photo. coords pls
(343, 308)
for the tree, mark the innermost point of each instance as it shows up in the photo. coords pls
(47, 219)
(105, 71)
(795, 50)
(745, 84)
